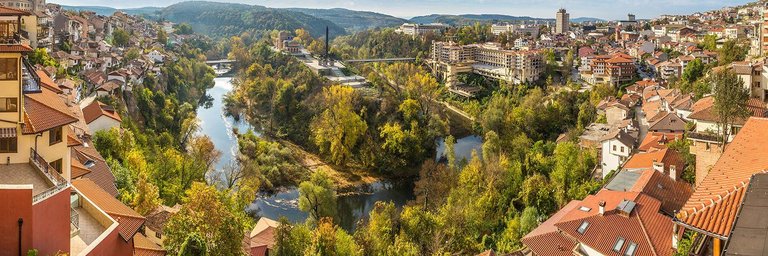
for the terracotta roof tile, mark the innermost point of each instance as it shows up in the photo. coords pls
(658, 140)
(7, 11)
(99, 172)
(144, 247)
(97, 109)
(45, 110)
(15, 47)
(645, 226)
(668, 122)
(672, 194)
(643, 161)
(46, 81)
(263, 233)
(714, 204)
(129, 220)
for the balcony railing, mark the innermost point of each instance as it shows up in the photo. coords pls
(59, 183)
(705, 137)
(30, 80)
(74, 218)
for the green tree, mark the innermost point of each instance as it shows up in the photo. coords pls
(693, 71)
(162, 37)
(40, 57)
(317, 196)
(183, 29)
(710, 43)
(730, 101)
(731, 51)
(147, 197)
(120, 37)
(291, 241)
(211, 214)
(193, 245)
(337, 130)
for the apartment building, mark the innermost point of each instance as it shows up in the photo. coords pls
(562, 22)
(416, 30)
(612, 69)
(490, 60)
(522, 29)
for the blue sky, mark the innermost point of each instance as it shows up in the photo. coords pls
(605, 9)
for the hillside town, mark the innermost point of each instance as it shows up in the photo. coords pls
(680, 163)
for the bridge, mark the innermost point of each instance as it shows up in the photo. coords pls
(380, 60)
(224, 61)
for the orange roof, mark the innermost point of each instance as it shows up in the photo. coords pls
(44, 111)
(263, 233)
(644, 226)
(714, 204)
(618, 59)
(15, 47)
(99, 172)
(129, 220)
(672, 194)
(658, 140)
(46, 81)
(643, 161)
(6, 11)
(78, 169)
(97, 109)
(144, 247)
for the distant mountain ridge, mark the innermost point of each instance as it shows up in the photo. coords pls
(106, 11)
(467, 19)
(353, 20)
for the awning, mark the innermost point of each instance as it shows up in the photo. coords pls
(6, 133)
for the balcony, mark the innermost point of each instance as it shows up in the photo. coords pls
(708, 137)
(24, 174)
(46, 170)
(30, 81)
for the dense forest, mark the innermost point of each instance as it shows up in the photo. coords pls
(222, 20)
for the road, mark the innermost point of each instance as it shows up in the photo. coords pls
(642, 122)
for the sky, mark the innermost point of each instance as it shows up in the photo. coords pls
(604, 9)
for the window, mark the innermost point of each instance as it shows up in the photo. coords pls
(618, 245)
(622, 149)
(614, 147)
(583, 227)
(631, 249)
(8, 145)
(55, 135)
(9, 68)
(158, 235)
(57, 165)
(709, 146)
(9, 104)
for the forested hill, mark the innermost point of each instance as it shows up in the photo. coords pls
(353, 20)
(466, 19)
(227, 19)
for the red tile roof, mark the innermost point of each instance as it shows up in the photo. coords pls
(99, 172)
(15, 47)
(672, 194)
(144, 247)
(658, 140)
(44, 111)
(98, 109)
(46, 81)
(129, 220)
(714, 204)
(644, 161)
(6, 11)
(645, 226)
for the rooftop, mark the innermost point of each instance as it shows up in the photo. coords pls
(750, 233)
(713, 205)
(23, 174)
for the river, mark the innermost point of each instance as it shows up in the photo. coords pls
(350, 208)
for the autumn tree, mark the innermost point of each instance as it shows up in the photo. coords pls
(434, 183)
(120, 37)
(317, 196)
(213, 216)
(730, 101)
(147, 197)
(338, 129)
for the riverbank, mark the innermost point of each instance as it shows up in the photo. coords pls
(345, 180)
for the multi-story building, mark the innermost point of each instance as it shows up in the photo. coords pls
(523, 30)
(415, 30)
(764, 31)
(56, 191)
(489, 59)
(25, 5)
(611, 69)
(562, 23)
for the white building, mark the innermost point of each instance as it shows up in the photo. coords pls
(99, 117)
(616, 149)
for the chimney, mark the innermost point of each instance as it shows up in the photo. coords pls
(602, 207)
(673, 172)
(659, 167)
(674, 236)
